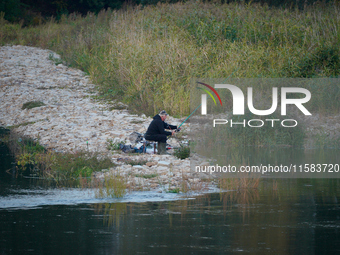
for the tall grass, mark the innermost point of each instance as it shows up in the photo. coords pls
(147, 56)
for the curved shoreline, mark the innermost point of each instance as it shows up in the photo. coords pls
(72, 120)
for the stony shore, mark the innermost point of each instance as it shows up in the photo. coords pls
(72, 119)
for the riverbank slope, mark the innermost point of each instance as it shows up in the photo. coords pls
(71, 119)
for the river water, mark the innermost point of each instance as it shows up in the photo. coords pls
(290, 216)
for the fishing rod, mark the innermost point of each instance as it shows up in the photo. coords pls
(201, 104)
(188, 117)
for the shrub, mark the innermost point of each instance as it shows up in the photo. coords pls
(182, 152)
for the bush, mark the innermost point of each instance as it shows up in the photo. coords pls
(182, 152)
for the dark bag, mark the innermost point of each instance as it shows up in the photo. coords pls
(126, 148)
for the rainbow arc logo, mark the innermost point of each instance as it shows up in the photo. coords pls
(209, 93)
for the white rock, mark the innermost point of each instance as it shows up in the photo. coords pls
(139, 167)
(71, 119)
(160, 168)
(163, 163)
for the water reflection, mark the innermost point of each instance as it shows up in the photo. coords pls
(300, 216)
(297, 162)
(273, 221)
(112, 212)
(297, 216)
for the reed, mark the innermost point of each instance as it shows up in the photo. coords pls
(243, 182)
(147, 56)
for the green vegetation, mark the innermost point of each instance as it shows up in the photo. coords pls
(112, 146)
(146, 176)
(23, 124)
(25, 150)
(33, 12)
(4, 132)
(147, 56)
(182, 152)
(239, 183)
(56, 61)
(176, 190)
(65, 169)
(113, 186)
(61, 167)
(117, 106)
(32, 104)
(136, 162)
(66, 166)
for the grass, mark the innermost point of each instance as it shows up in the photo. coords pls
(136, 162)
(113, 186)
(238, 183)
(146, 176)
(32, 104)
(175, 190)
(24, 124)
(147, 56)
(136, 121)
(71, 166)
(65, 169)
(61, 167)
(118, 107)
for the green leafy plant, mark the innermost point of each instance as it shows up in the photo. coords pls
(182, 152)
(112, 146)
(56, 61)
(176, 190)
(24, 160)
(32, 104)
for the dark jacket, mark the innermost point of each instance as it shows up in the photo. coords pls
(157, 127)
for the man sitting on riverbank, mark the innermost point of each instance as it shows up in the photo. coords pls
(156, 131)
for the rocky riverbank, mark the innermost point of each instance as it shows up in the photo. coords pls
(71, 119)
